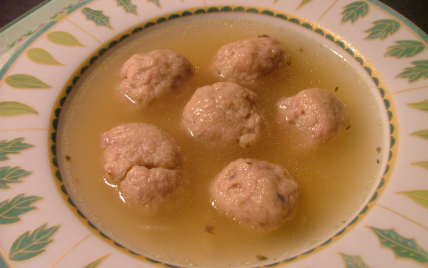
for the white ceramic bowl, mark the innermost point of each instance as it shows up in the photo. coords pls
(39, 223)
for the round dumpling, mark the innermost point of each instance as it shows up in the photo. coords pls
(144, 160)
(249, 59)
(147, 77)
(224, 113)
(256, 193)
(316, 112)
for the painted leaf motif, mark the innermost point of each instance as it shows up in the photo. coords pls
(354, 11)
(2, 262)
(9, 46)
(95, 263)
(423, 105)
(420, 70)
(127, 6)
(9, 175)
(25, 81)
(63, 38)
(422, 164)
(29, 245)
(14, 146)
(11, 108)
(60, 16)
(304, 2)
(405, 48)
(39, 55)
(10, 210)
(96, 16)
(402, 247)
(421, 134)
(154, 1)
(353, 261)
(30, 32)
(383, 29)
(419, 196)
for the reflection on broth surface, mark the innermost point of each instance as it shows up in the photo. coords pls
(333, 179)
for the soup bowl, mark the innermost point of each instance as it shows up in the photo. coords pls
(46, 222)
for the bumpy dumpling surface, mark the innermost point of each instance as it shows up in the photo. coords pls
(224, 113)
(144, 159)
(256, 193)
(148, 186)
(150, 76)
(249, 59)
(316, 112)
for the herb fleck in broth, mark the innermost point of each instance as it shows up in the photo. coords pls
(333, 180)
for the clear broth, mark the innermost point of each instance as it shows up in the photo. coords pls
(333, 180)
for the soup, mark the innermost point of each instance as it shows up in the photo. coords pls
(334, 179)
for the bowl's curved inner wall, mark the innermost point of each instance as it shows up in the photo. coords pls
(308, 40)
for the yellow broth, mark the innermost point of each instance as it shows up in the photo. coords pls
(333, 180)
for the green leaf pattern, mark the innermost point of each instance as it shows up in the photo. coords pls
(10, 175)
(156, 2)
(405, 48)
(421, 134)
(25, 81)
(354, 11)
(127, 6)
(29, 245)
(402, 247)
(383, 29)
(14, 146)
(96, 263)
(422, 106)
(423, 164)
(11, 108)
(63, 38)
(419, 196)
(97, 17)
(41, 56)
(60, 16)
(353, 261)
(417, 72)
(32, 244)
(304, 2)
(10, 210)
